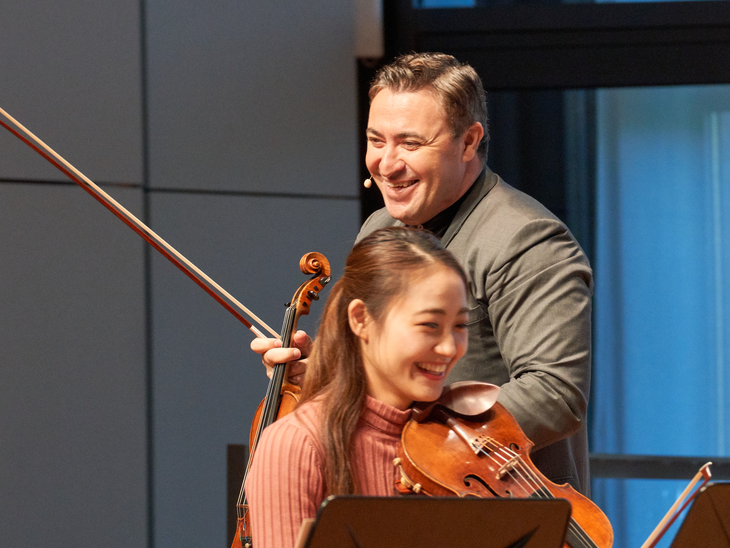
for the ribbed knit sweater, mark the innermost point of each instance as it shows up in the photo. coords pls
(286, 483)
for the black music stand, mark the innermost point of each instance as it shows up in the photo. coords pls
(707, 522)
(438, 522)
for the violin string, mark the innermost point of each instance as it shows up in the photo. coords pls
(270, 407)
(519, 478)
(540, 492)
(543, 492)
(494, 450)
(278, 372)
(578, 533)
(497, 448)
(509, 462)
(240, 510)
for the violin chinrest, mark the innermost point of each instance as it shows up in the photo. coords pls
(465, 398)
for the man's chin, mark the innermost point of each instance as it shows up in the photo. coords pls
(402, 213)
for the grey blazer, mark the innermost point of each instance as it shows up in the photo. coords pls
(529, 319)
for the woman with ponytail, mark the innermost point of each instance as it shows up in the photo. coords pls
(393, 327)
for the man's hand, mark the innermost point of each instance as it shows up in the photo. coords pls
(272, 354)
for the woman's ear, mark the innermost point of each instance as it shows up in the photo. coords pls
(357, 315)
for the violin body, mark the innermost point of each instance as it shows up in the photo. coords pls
(289, 400)
(488, 456)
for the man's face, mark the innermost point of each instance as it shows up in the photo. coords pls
(417, 165)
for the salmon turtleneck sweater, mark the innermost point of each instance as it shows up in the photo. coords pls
(286, 483)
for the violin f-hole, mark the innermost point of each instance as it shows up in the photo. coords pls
(481, 482)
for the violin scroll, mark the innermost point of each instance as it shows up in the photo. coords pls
(314, 263)
(311, 263)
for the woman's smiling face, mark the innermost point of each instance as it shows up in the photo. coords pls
(408, 355)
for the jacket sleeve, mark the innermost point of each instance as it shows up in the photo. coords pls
(539, 292)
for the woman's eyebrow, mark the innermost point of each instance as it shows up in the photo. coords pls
(441, 311)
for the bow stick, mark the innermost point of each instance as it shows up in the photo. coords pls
(705, 475)
(229, 302)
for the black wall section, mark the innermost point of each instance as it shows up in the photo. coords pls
(573, 45)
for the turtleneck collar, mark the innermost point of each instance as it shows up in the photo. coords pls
(384, 417)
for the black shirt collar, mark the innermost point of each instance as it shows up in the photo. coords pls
(440, 223)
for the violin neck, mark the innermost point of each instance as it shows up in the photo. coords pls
(273, 392)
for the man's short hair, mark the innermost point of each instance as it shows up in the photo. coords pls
(457, 86)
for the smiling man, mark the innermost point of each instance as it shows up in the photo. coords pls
(420, 167)
(530, 282)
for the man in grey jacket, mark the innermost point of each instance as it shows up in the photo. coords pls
(530, 282)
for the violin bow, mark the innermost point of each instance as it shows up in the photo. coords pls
(704, 474)
(222, 296)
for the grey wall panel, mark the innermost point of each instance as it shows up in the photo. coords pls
(71, 72)
(257, 96)
(73, 460)
(207, 382)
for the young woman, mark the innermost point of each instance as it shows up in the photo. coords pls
(392, 329)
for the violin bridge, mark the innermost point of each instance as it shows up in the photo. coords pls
(507, 467)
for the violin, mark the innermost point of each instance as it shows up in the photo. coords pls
(468, 444)
(281, 397)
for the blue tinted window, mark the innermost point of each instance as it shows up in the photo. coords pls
(635, 507)
(662, 279)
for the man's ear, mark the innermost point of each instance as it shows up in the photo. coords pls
(357, 315)
(472, 138)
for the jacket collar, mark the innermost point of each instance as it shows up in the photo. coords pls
(481, 187)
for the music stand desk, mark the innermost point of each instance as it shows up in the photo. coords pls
(443, 522)
(707, 522)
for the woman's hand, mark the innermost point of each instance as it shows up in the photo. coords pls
(272, 354)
